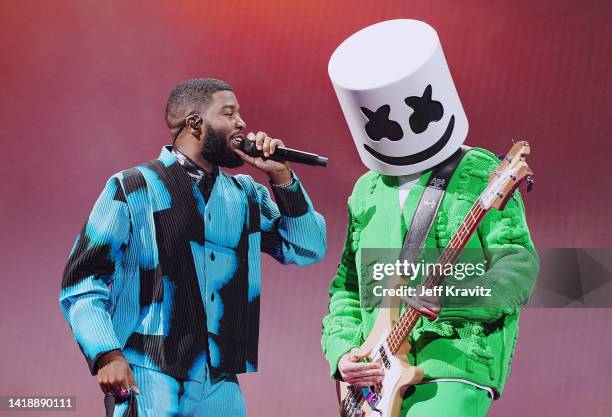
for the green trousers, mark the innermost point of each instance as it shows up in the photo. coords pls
(445, 399)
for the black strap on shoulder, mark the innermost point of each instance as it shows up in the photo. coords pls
(428, 206)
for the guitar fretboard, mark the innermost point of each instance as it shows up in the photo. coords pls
(409, 317)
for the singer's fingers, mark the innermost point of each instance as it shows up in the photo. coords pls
(256, 162)
(246, 158)
(266, 146)
(275, 143)
(259, 140)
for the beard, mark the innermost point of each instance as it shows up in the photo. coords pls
(217, 150)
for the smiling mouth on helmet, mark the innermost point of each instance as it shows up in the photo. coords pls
(419, 156)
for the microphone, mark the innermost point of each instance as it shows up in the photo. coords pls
(284, 154)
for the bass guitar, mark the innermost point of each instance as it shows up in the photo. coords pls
(388, 340)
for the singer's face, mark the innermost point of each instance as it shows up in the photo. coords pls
(224, 128)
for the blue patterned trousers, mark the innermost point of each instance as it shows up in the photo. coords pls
(164, 396)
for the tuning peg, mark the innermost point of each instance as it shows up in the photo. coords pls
(530, 183)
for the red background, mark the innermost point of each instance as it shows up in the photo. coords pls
(83, 90)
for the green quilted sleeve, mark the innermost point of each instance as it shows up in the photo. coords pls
(342, 326)
(513, 263)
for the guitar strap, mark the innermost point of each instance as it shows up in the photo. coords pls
(428, 206)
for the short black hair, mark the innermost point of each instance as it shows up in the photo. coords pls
(190, 96)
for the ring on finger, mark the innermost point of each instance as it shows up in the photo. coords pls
(124, 392)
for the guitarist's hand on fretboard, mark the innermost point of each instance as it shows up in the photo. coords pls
(427, 305)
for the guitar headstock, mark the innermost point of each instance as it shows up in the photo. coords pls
(512, 171)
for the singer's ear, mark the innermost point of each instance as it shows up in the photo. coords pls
(194, 121)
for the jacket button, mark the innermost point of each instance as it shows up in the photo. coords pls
(212, 296)
(212, 256)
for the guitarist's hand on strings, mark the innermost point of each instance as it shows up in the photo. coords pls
(427, 305)
(359, 374)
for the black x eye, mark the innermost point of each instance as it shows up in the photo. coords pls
(425, 109)
(379, 126)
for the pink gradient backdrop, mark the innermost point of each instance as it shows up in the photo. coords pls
(83, 88)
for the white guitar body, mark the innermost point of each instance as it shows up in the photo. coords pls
(386, 399)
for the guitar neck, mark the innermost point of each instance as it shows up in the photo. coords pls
(409, 317)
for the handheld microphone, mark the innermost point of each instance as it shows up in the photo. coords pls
(284, 154)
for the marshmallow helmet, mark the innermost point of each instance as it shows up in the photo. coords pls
(398, 97)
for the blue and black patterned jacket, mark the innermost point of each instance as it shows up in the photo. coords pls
(171, 279)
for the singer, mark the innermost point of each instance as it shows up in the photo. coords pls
(161, 289)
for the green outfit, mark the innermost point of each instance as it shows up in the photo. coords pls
(445, 399)
(474, 344)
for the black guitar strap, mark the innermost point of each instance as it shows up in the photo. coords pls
(428, 206)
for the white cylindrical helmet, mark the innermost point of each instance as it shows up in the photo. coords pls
(398, 97)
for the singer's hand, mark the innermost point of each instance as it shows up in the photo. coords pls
(115, 374)
(278, 172)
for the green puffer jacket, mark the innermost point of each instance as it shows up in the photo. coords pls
(475, 344)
